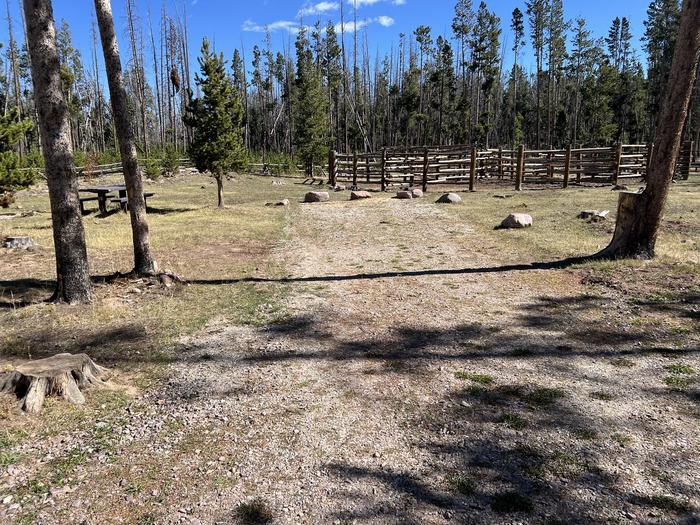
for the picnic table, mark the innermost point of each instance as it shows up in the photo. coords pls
(114, 193)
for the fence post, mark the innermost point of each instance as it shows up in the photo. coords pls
(331, 167)
(520, 170)
(500, 162)
(472, 170)
(354, 169)
(367, 170)
(618, 164)
(426, 154)
(383, 176)
(579, 167)
(567, 166)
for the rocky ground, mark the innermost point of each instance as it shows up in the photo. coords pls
(417, 374)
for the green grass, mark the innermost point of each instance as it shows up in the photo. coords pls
(677, 382)
(587, 434)
(543, 397)
(680, 368)
(253, 512)
(462, 484)
(481, 379)
(513, 421)
(669, 503)
(62, 468)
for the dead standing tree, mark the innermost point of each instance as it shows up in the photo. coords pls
(143, 259)
(73, 276)
(639, 214)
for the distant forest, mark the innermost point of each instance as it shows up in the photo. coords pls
(586, 89)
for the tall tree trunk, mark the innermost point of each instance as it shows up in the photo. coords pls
(639, 214)
(72, 271)
(143, 259)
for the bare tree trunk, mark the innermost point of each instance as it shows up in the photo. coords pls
(72, 271)
(143, 259)
(639, 215)
(219, 191)
(139, 69)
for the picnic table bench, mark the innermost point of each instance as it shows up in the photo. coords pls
(124, 201)
(102, 194)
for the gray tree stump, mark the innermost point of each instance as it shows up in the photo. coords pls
(63, 375)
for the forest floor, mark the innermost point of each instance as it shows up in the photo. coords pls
(377, 361)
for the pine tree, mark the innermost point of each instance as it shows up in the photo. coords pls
(537, 12)
(215, 117)
(311, 139)
(484, 46)
(12, 129)
(661, 29)
(518, 28)
(555, 36)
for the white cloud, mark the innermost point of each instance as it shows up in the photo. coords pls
(360, 3)
(318, 9)
(286, 25)
(350, 26)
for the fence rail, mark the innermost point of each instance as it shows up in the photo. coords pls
(428, 166)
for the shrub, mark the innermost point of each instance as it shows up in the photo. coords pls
(171, 160)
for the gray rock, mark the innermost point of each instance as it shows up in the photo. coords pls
(404, 194)
(359, 195)
(516, 220)
(594, 215)
(417, 193)
(449, 198)
(283, 202)
(620, 187)
(339, 187)
(317, 196)
(18, 242)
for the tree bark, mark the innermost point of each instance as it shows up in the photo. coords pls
(144, 263)
(639, 214)
(219, 191)
(72, 270)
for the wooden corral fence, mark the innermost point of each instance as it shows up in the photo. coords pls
(105, 169)
(456, 165)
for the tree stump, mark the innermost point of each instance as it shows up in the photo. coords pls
(62, 375)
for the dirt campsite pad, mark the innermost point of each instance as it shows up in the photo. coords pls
(376, 361)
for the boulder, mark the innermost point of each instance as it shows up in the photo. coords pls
(339, 187)
(449, 198)
(283, 202)
(317, 196)
(18, 242)
(594, 215)
(516, 220)
(417, 193)
(359, 195)
(404, 194)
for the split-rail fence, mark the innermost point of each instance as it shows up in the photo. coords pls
(455, 165)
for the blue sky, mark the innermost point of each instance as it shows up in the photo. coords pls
(231, 22)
